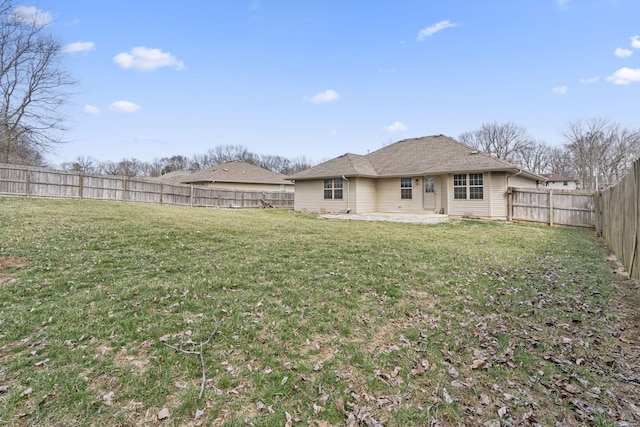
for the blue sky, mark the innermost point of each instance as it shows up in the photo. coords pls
(322, 78)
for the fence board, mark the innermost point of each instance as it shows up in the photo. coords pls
(42, 182)
(13, 180)
(620, 219)
(553, 207)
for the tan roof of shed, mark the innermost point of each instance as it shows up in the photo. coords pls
(236, 171)
(416, 156)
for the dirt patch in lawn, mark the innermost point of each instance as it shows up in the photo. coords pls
(8, 266)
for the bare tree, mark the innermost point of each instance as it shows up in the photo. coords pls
(298, 164)
(33, 83)
(229, 153)
(536, 158)
(109, 167)
(560, 162)
(273, 162)
(505, 141)
(154, 167)
(174, 163)
(601, 151)
(125, 167)
(84, 164)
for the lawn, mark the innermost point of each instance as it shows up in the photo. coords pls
(134, 314)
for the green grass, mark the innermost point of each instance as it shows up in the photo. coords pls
(320, 319)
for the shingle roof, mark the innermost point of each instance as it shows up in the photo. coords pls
(347, 164)
(555, 177)
(417, 156)
(174, 177)
(236, 171)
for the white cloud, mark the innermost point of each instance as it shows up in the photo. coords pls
(623, 53)
(32, 15)
(90, 109)
(124, 107)
(560, 90)
(396, 127)
(429, 31)
(145, 59)
(624, 76)
(562, 2)
(78, 47)
(324, 97)
(635, 42)
(588, 80)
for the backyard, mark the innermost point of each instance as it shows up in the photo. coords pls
(138, 314)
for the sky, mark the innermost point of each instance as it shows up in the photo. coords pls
(320, 78)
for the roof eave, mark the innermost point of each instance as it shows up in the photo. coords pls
(311, 178)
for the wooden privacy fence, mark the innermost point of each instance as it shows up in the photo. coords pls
(28, 181)
(619, 215)
(552, 207)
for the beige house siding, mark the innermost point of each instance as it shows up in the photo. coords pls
(389, 199)
(364, 197)
(310, 198)
(570, 185)
(443, 198)
(498, 195)
(521, 181)
(468, 207)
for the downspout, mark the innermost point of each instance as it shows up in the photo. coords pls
(348, 193)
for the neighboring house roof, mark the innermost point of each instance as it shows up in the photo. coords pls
(417, 156)
(554, 177)
(236, 171)
(174, 177)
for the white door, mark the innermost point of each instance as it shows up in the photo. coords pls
(429, 197)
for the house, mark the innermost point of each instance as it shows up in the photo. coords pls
(557, 181)
(239, 175)
(419, 175)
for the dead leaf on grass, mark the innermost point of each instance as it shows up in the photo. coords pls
(445, 395)
(108, 398)
(479, 364)
(163, 414)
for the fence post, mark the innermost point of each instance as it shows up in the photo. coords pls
(596, 208)
(161, 191)
(551, 208)
(80, 186)
(191, 197)
(28, 182)
(509, 203)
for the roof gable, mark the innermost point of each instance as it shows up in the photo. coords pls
(347, 165)
(236, 171)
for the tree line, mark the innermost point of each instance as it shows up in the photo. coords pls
(163, 165)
